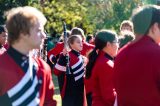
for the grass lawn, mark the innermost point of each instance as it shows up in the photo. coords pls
(56, 91)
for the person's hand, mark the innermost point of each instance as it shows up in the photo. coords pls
(85, 59)
(65, 51)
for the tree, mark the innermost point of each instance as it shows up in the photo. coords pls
(8, 4)
(57, 11)
(110, 13)
(90, 15)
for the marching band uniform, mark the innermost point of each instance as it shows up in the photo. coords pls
(137, 81)
(73, 88)
(88, 87)
(103, 93)
(25, 82)
(86, 48)
(53, 53)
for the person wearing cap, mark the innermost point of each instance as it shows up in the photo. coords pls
(136, 69)
(3, 39)
(24, 80)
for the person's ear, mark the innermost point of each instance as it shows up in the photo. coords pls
(155, 27)
(70, 45)
(108, 44)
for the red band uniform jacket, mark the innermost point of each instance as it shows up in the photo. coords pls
(137, 74)
(73, 88)
(24, 86)
(53, 53)
(103, 93)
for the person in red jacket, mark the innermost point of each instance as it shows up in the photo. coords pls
(90, 39)
(137, 70)
(100, 68)
(73, 88)
(24, 80)
(3, 39)
(53, 53)
(86, 46)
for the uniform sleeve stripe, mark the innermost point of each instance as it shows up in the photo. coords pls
(33, 96)
(24, 88)
(78, 67)
(35, 102)
(61, 68)
(50, 58)
(79, 62)
(78, 77)
(29, 100)
(115, 102)
(79, 70)
(110, 63)
(26, 94)
(20, 85)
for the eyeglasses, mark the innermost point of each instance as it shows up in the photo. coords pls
(115, 41)
(3, 34)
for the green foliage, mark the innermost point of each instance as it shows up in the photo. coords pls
(122, 11)
(149, 1)
(90, 15)
(8, 4)
(69, 11)
(109, 13)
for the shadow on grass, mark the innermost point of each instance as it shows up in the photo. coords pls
(57, 96)
(56, 87)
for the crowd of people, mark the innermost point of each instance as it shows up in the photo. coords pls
(103, 69)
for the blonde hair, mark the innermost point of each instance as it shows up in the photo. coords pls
(21, 20)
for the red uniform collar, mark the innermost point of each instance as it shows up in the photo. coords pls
(102, 53)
